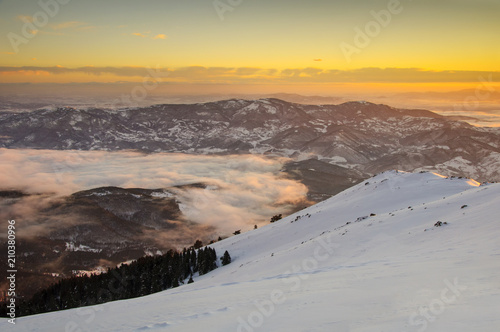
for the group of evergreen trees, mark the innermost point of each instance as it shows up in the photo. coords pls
(147, 275)
(276, 218)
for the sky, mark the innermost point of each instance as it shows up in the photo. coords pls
(317, 42)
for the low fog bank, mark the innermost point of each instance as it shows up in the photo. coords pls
(242, 190)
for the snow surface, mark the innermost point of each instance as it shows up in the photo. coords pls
(70, 246)
(164, 194)
(368, 259)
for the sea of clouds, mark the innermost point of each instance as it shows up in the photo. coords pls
(243, 190)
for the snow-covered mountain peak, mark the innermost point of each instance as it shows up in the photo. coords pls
(376, 199)
(398, 252)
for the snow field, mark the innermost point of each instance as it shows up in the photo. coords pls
(368, 259)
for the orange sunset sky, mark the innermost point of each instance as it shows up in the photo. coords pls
(309, 47)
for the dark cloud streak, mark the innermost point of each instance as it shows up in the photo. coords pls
(200, 74)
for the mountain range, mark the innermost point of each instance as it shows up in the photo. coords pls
(360, 136)
(331, 148)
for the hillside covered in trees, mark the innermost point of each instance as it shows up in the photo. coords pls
(147, 275)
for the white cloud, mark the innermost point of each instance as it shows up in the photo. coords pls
(244, 190)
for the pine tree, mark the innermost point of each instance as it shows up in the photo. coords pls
(226, 259)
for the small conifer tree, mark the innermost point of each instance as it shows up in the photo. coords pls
(226, 258)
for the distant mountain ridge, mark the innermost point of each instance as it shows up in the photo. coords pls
(362, 136)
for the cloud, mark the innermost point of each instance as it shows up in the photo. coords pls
(90, 70)
(160, 36)
(201, 74)
(25, 18)
(305, 72)
(28, 209)
(247, 71)
(317, 59)
(243, 190)
(51, 33)
(147, 35)
(74, 25)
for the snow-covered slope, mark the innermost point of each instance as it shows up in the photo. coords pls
(369, 259)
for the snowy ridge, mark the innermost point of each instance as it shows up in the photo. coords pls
(372, 258)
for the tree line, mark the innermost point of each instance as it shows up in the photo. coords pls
(147, 275)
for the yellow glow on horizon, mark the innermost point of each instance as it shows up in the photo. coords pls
(261, 78)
